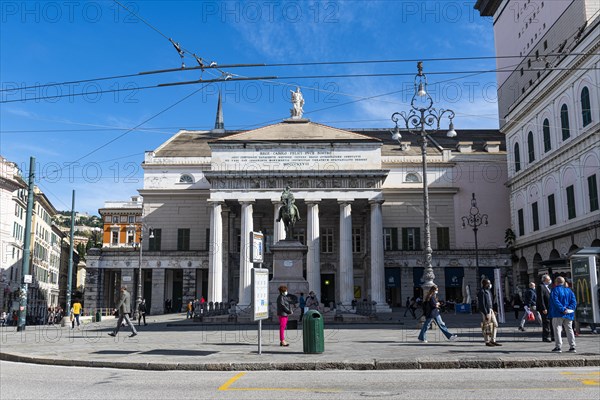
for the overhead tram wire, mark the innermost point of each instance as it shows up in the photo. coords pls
(137, 126)
(254, 65)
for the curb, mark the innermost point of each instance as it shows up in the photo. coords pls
(493, 363)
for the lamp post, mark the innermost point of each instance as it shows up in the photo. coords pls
(475, 220)
(138, 300)
(423, 119)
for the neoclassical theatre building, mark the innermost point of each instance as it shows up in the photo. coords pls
(360, 197)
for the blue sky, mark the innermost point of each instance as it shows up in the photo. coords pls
(60, 41)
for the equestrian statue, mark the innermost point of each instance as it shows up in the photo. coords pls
(288, 212)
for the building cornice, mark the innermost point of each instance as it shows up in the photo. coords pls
(557, 159)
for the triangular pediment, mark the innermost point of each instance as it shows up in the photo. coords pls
(297, 130)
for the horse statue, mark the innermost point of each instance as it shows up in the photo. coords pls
(288, 212)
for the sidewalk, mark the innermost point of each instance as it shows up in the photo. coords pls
(171, 342)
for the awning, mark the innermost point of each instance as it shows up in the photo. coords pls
(417, 274)
(392, 278)
(487, 271)
(454, 276)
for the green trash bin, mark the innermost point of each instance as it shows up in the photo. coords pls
(98, 316)
(313, 335)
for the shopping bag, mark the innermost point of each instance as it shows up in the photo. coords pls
(530, 316)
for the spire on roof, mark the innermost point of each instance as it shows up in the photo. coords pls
(219, 123)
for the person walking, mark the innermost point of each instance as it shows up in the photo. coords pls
(562, 312)
(302, 304)
(543, 305)
(190, 309)
(486, 308)
(3, 318)
(529, 305)
(283, 310)
(76, 313)
(124, 308)
(142, 312)
(432, 313)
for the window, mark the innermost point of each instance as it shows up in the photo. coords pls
(521, 71)
(586, 109)
(115, 219)
(551, 210)
(132, 219)
(185, 178)
(530, 147)
(411, 239)
(115, 237)
(521, 222)
(564, 122)
(183, 239)
(545, 44)
(299, 235)
(412, 177)
(593, 192)
(571, 212)
(390, 239)
(107, 218)
(123, 218)
(356, 240)
(546, 132)
(535, 216)
(154, 242)
(130, 236)
(517, 158)
(443, 238)
(326, 240)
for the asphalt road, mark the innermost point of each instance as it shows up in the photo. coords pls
(30, 381)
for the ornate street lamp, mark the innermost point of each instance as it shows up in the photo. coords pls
(422, 120)
(138, 300)
(475, 220)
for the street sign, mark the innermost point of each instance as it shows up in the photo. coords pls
(260, 299)
(27, 278)
(257, 248)
(260, 293)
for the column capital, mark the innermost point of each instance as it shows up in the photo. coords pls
(376, 201)
(215, 202)
(246, 201)
(345, 201)
(312, 201)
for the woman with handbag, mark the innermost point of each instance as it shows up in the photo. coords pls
(431, 310)
(283, 310)
(489, 325)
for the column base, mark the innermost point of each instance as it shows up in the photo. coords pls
(383, 308)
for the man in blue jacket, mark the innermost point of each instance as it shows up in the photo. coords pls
(562, 312)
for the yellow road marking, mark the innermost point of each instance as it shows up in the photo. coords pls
(594, 382)
(226, 385)
(581, 373)
(231, 381)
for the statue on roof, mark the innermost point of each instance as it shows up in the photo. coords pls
(298, 103)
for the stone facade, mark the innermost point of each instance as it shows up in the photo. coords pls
(205, 191)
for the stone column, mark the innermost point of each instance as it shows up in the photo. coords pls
(189, 286)
(247, 226)
(346, 270)
(313, 260)
(128, 280)
(158, 291)
(377, 262)
(215, 260)
(278, 227)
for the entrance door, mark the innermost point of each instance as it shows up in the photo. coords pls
(177, 290)
(327, 289)
(147, 288)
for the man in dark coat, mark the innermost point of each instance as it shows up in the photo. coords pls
(124, 308)
(543, 306)
(529, 305)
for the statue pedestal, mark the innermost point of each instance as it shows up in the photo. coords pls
(288, 261)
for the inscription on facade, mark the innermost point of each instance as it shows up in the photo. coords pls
(296, 159)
